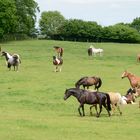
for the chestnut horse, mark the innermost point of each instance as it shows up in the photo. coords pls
(59, 51)
(133, 79)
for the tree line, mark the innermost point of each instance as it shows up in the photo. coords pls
(54, 26)
(18, 18)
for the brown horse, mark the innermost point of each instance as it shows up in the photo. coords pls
(89, 81)
(133, 79)
(59, 51)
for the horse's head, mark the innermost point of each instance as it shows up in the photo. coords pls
(3, 53)
(125, 74)
(69, 92)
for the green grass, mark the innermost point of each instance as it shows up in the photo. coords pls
(31, 100)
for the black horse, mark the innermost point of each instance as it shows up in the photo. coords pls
(89, 81)
(91, 98)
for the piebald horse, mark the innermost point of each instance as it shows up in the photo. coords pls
(11, 60)
(57, 62)
(59, 51)
(133, 79)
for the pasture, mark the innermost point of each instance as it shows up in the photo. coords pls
(31, 100)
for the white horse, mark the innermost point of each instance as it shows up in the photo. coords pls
(11, 60)
(95, 51)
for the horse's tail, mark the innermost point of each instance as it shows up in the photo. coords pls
(61, 52)
(108, 102)
(98, 84)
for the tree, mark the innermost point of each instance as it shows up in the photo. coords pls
(50, 22)
(136, 24)
(26, 13)
(8, 17)
(120, 33)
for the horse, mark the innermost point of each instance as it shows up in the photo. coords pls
(11, 60)
(116, 101)
(89, 81)
(59, 51)
(138, 58)
(93, 51)
(58, 63)
(91, 98)
(133, 79)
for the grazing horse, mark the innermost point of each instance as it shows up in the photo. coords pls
(59, 51)
(89, 81)
(134, 80)
(12, 60)
(91, 98)
(58, 63)
(94, 51)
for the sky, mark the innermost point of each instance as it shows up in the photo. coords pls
(104, 12)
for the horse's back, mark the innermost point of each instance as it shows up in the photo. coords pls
(115, 97)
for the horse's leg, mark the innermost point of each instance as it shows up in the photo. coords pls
(104, 104)
(118, 107)
(95, 109)
(79, 110)
(83, 110)
(113, 109)
(100, 106)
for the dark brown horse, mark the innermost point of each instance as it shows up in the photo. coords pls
(89, 81)
(59, 51)
(133, 79)
(57, 62)
(91, 98)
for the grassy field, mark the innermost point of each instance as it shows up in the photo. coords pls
(31, 100)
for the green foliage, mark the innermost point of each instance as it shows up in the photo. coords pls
(136, 24)
(50, 22)
(31, 100)
(80, 30)
(17, 17)
(26, 12)
(121, 33)
(8, 17)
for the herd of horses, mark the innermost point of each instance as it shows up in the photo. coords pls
(109, 100)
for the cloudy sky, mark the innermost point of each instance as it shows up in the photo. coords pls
(104, 12)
